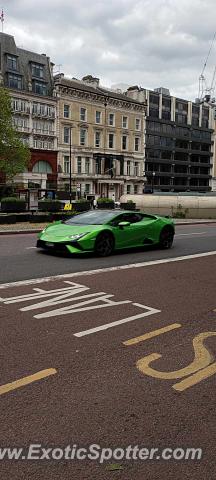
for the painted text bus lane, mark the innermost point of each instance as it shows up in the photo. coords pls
(69, 301)
(74, 298)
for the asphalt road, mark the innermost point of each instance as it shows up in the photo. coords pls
(118, 358)
(19, 259)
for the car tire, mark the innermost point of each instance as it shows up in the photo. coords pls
(104, 244)
(166, 238)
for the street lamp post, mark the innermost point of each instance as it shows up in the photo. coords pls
(153, 175)
(70, 167)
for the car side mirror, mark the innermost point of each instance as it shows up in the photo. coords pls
(123, 224)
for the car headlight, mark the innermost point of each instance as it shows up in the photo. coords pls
(77, 236)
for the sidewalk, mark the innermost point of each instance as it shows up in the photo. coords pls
(27, 227)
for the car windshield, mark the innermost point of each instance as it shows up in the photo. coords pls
(90, 218)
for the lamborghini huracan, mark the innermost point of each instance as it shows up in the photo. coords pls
(105, 231)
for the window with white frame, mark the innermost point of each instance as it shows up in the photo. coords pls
(128, 189)
(87, 165)
(136, 169)
(111, 119)
(111, 140)
(83, 135)
(137, 144)
(124, 142)
(97, 139)
(128, 167)
(87, 188)
(83, 114)
(138, 123)
(124, 122)
(66, 164)
(66, 111)
(98, 116)
(66, 135)
(79, 164)
(135, 189)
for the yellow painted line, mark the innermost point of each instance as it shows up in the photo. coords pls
(152, 334)
(27, 380)
(196, 378)
(202, 359)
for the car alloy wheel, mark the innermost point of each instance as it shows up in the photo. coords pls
(104, 244)
(166, 238)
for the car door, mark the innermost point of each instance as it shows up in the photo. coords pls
(132, 234)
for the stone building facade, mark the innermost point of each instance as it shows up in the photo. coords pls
(101, 134)
(29, 79)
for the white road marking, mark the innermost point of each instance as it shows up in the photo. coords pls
(106, 269)
(29, 248)
(188, 234)
(150, 311)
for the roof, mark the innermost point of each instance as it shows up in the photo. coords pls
(79, 85)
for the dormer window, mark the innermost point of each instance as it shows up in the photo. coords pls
(37, 70)
(12, 62)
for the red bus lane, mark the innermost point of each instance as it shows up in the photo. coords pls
(125, 357)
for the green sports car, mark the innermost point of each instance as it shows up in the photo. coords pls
(104, 231)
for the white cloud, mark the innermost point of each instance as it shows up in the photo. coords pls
(146, 42)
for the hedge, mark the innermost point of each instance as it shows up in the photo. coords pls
(13, 204)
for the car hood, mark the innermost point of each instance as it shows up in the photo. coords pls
(61, 230)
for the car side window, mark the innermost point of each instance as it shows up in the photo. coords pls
(127, 217)
(132, 217)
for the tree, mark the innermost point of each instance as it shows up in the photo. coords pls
(14, 155)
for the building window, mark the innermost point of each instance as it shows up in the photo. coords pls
(124, 122)
(14, 81)
(82, 136)
(111, 119)
(97, 139)
(37, 70)
(137, 144)
(128, 167)
(87, 165)
(128, 189)
(66, 164)
(39, 88)
(66, 111)
(12, 62)
(111, 140)
(98, 166)
(135, 189)
(66, 134)
(87, 188)
(79, 165)
(98, 117)
(124, 142)
(137, 123)
(83, 114)
(136, 169)
(42, 167)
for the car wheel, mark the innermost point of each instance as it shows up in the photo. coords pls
(166, 238)
(104, 244)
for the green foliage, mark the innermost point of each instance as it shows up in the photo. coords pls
(49, 205)
(14, 156)
(10, 199)
(180, 212)
(13, 204)
(105, 200)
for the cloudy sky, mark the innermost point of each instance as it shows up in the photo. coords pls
(150, 43)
